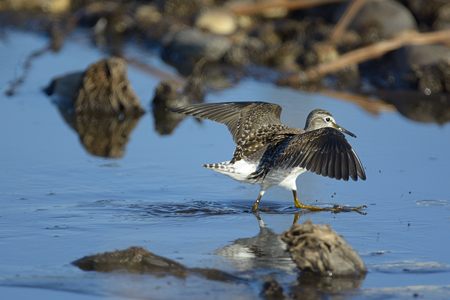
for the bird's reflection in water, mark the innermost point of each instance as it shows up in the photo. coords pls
(266, 250)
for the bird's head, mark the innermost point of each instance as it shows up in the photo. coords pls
(320, 118)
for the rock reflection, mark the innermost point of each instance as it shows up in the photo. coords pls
(311, 286)
(170, 94)
(100, 105)
(102, 136)
(434, 108)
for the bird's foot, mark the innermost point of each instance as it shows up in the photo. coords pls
(310, 207)
(342, 208)
(334, 209)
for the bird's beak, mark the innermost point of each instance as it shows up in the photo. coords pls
(342, 129)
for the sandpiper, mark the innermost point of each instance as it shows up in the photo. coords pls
(270, 153)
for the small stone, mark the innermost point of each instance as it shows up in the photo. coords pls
(217, 21)
(188, 46)
(443, 18)
(147, 14)
(383, 19)
(48, 6)
(272, 290)
(133, 260)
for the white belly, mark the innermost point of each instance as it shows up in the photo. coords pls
(283, 178)
(241, 169)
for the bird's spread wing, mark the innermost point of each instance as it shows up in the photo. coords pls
(238, 116)
(323, 151)
(251, 124)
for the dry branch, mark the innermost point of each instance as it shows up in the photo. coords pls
(346, 18)
(367, 53)
(261, 7)
(154, 71)
(372, 105)
(19, 80)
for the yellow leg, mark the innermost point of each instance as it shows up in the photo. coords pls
(296, 218)
(300, 205)
(335, 208)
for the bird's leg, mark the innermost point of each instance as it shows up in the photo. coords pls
(296, 218)
(300, 205)
(256, 204)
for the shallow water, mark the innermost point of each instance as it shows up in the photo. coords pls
(59, 203)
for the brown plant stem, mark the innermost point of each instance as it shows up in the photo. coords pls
(260, 7)
(367, 53)
(352, 9)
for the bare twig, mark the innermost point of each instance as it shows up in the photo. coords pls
(373, 106)
(19, 80)
(153, 71)
(260, 7)
(369, 52)
(352, 9)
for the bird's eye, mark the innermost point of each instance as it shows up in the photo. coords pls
(327, 119)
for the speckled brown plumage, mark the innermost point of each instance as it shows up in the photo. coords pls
(260, 136)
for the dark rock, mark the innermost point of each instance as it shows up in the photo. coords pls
(381, 19)
(272, 290)
(433, 79)
(421, 55)
(188, 46)
(214, 274)
(170, 94)
(425, 67)
(181, 8)
(410, 67)
(319, 250)
(105, 89)
(443, 18)
(434, 108)
(138, 260)
(133, 260)
(425, 11)
(102, 89)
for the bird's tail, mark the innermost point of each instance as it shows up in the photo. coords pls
(222, 167)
